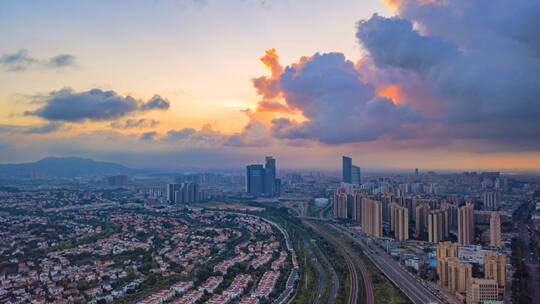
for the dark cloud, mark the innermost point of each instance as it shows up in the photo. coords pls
(338, 106)
(254, 134)
(132, 123)
(62, 60)
(149, 136)
(189, 137)
(481, 58)
(95, 105)
(156, 103)
(173, 135)
(21, 60)
(45, 129)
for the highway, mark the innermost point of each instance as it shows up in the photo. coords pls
(354, 266)
(414, 288)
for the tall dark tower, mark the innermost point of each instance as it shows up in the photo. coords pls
(270, 176)
(255, 179)
(347, 170)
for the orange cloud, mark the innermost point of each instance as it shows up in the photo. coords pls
(393, 5)
(271, 61)
(392, 92)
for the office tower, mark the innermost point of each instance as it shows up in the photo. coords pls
(495, 230)
(371, 217)
(495, 268)
(438, 229)
(171, 192)
(482, 291)
(421, 220)
(466, 224)
(346, 171)
(255, 179)
(356, 178)
(492, 200)
(416, 171)
(270, 176)
(445, 251)
(261, 180)
(399, 221)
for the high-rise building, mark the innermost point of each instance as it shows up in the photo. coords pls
(261, 180)
(495, 230)
(482, 291)
(452, 214)
(171, 192)
(357, 208)
(492, 200)
(445, 251)
(346, 171)
(459, 275)
(495, 268)
(356, 178)
(270, 176)
(466, 224)
(371, 217)
(255, 179)
(399, 221)
(438, 229)
(340, 204)
(421, 219)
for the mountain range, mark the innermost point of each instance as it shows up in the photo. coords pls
(63, 167)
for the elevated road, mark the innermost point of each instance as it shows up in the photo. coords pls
(414, 288)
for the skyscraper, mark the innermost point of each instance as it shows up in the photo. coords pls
(356, 178)
(438, 229)
(466, 224)
(421, 219)
(255, 179)
(171, 192)
(261, 180)
(399, 221)
(495, 268)
(371, 217)
(270, 176)
(495, 230)
(346, 171)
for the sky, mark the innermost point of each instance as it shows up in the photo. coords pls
(396, 84)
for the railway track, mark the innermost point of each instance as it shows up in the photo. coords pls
(354, 266)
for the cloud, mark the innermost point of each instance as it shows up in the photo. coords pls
(132, 123)
(149, 136)
(483, 68)
(337, 106)
(93, 105)
(189, 137)
(21, 60)
(45, 129)
(156, 103)
(254, 134)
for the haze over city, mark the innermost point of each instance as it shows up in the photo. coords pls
(211, 84)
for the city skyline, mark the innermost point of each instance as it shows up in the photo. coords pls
(195, 93)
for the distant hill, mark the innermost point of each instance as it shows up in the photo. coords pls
(63, 167)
